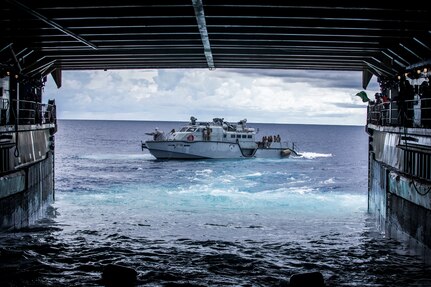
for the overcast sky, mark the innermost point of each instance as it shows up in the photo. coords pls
(260, 96)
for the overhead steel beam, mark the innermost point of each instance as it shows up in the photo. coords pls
(393, 59)
(377, 71)
(51, 23)
(422, 43)
(384, 66)
(406, 63)
(366, 77)
(160, 34)
(200, 18)
(411, 51)
(15, 59)
(56, 76)
(379, 66)
(6, 47)
(41, 69)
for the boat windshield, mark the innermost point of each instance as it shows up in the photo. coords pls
(188, 129)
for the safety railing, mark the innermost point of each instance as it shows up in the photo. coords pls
(26, 112)
(4, 104)
(408, 113)
(31, 112)
(4, 107)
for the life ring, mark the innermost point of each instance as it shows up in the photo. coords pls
(190, 138)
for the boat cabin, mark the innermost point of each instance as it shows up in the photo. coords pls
(218, 130)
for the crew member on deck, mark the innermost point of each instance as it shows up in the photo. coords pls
(158, 135)
(208, 133)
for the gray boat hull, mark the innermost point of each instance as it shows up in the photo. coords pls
(213, 150)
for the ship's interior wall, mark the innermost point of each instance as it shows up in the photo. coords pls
(23, 208)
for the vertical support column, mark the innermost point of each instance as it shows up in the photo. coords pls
(393, 107)
(4, 100)
(13, 98)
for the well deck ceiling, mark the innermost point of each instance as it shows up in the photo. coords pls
(38, 37)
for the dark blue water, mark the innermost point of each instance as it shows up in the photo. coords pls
(250, 222)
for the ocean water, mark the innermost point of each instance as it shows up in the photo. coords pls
(249, 222)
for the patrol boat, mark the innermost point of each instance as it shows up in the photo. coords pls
(215, 140)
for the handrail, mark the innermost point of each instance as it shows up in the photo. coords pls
(32, 112)
(408, 113)
(4, 104)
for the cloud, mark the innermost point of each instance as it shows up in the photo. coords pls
(350, 106)
(330, 79)
(167, 79)
(267, 96)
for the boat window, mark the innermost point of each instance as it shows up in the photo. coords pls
(244, 136)
(232, 136)
(183, 129)
(238, 136)
(191, 129)
(249, 136)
